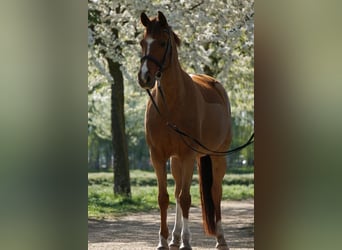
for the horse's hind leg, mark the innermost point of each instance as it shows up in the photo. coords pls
(159, 165)
(218, 170)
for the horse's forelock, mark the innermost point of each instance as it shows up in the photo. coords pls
(155, 28)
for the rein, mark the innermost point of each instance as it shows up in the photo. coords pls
(184, 134)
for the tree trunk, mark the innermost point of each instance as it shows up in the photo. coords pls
(120, 152)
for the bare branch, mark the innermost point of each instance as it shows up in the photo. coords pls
(196, 5)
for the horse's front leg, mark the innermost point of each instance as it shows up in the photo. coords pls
(177, 229)
(159, 165)
(185, 199)
(182, 170)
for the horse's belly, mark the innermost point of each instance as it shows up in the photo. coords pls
(216, 129)
(212, 130)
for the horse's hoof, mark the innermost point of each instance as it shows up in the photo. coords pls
(183, 247)
(222, 247)
(173, 247)
(162, 243)
(175, 242)
(162, 248)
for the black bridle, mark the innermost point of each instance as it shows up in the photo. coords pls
(161, 64)
(183, 134)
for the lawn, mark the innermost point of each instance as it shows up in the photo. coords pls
(102, 202)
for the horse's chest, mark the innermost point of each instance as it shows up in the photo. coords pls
(159, 135)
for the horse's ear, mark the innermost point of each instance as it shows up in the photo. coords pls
(144, 19)
(162, 19)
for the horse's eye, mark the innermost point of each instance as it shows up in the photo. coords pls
(162, 43)
(141, 42)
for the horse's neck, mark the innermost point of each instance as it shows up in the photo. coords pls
(174, 85)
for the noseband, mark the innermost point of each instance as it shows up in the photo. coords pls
(161, 64)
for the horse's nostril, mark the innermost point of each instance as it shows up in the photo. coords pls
(148, 79)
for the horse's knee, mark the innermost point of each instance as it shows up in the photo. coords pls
(163, 200)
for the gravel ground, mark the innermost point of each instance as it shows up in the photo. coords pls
(140, 230)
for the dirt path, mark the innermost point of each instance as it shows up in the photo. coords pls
(140, 231)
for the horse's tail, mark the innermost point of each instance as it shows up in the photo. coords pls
(206, 182)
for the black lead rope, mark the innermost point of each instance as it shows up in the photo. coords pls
(184, 134)
(212, 152)
(154, 103)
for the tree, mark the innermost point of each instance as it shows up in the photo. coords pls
(103, 44)
(120, 161)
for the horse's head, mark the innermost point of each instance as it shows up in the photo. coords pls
(156, 48)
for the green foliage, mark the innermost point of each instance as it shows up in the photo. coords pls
(241, 170)
(102, 202)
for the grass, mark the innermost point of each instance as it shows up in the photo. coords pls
(103, 203)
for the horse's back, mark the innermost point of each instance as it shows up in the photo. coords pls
(211, 90)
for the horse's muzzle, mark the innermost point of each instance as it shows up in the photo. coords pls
(147, 81)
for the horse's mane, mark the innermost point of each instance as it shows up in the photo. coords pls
(177, 39)
(156, 26)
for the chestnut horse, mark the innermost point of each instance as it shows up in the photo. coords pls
(196, 105)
